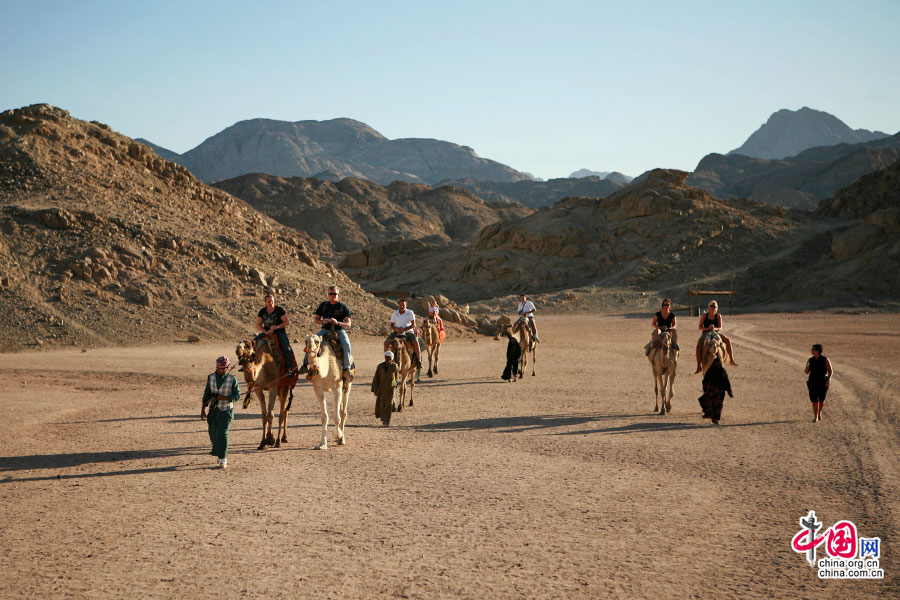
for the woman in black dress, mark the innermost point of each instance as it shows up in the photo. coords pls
(819, 369)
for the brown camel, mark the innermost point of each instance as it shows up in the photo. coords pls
(325, 376)
(711, 346)
(432, 336)
(262, 373)
(403, 356)
(522, 332)
(664, 360)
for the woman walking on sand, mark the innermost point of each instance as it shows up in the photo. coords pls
(819, 369)
(715, 386)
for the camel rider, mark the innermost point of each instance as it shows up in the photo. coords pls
(664, 319)
(526, 310)
(712, 321)
(403, 323)
(273, 319)
(333, 315)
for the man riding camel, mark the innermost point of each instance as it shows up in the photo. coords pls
(333, 315)
(526, 311)
(403, 323)
(663, 319)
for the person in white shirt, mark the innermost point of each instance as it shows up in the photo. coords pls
(526, 310)
(403, 323)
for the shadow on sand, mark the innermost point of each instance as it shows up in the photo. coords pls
(535, 422)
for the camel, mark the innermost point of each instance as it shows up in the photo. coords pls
(432, 337)
(325, 376)
(522, 332)
(664, 360)
(403, 356)
(262, 373)
(711, 347)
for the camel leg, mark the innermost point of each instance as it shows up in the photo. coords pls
(338, 426)
(262, 413)
(412, 388)
(671, 387)
(270, 418)
(656, 391)
(282, 419)
(343, 409)
(430, 372)
(437, 353)
(320, 396)
(533, 360)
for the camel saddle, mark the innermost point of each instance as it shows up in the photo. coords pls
(335, 342)
(278, 354)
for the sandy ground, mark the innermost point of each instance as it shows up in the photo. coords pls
(561, 485)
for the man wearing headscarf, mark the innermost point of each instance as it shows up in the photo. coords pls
(222, 391)
(383, 384)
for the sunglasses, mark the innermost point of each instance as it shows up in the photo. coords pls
(332, 293)
(666, 304)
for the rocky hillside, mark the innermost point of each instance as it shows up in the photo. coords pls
(656, 233)
(800, 181)
(104, 242)
(536, 194)
(352, 213)
(790, 132)
(338, 147)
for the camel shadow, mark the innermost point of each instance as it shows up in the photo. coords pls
(534, 422)
(518, 424)
(667, 426)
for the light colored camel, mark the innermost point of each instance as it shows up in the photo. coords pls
(262, 373)
(664, 361)
(325, 376)
(432, 336)
(522, 332)
(406, 365)
(711, 347)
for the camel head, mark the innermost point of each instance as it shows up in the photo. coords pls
(245, 351)
(312, 344)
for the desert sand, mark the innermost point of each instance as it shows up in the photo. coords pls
(560, 485)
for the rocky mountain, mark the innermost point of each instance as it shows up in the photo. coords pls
(800, 181)
(613, 175)
(351, 213)
(102, 241)
(790, 132)
(342, 147)
(654, 233)
(536, 194)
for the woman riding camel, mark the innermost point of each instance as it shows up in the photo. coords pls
(525, 310)
(664, 319)
(434, 309)
(273, 319)
(712, 321)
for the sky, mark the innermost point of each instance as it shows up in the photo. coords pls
(544, 87)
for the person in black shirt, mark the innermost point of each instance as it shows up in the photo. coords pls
(664, 319)
(333, 315)
(819, 369)
(273, 319)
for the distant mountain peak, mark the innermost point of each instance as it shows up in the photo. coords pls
(790, 132)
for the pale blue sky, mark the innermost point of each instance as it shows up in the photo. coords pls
(545, 87)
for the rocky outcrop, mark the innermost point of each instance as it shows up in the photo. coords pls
(338, 147)
(537, 194)
(352, 213)
(800, 181)
(103, 241)
(790, 132)
(654, 231)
